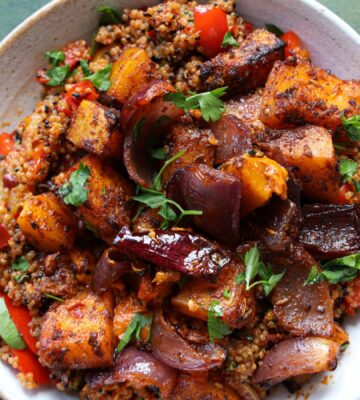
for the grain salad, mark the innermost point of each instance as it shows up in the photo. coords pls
(185, 197)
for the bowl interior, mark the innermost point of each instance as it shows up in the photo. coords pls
(333, 45)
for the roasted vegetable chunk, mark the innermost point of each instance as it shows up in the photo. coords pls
(300, 93)
(260, 178)
(197, 143)
(94, 129)
(196, 296)
(310, 151)
(130, 72)
(78, 333)
(245, 68)
(108, 206)
(302, 310)
(47, 223)
(331, 231)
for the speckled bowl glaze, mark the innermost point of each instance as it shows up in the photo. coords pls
(333, 45)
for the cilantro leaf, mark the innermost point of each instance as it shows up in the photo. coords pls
(347, 169)
(216, 327)
(159, 154)
(252, 259)
(55, 57)
(352, 127)
(8, 330)
(133, 330)
(138, 126)
(100, 79)
(226, 293)
(108, 16)
(240, 278)
(356, 185)
(74, 191)
(338, 270)
(210, 104)
(274, 29)
(20, 264)
(52, 297)
(229, 40)
(85, 68)
(57, 75)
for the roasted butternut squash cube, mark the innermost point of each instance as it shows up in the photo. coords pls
(108, 206)
(300, 93)
(78, 333)
(94, 128)
(310, 150)
(261, 177)
(244, 68)
(47, 223)
(130, 72)
(196, 296)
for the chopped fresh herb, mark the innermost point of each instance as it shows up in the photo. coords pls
(216, 327)
(89, 227)
(8, 331)
(52, 297)
(229, 40)
(253, 267)
(20, 264)
(20, 278)
(104, 191)
(138, 126)
(74, 191)
(133, 330)
(274, 29)
(226, 293)
(55, 57)
(108, 16)
(159, 154)
(356, 184)
(347, 169)
(57, 75)
(344, 346)
(154, 198)
(85, 68)
(352, 127)
(161, 119)
(100, 79)
(340, 146)
(338, 270)
(210, 104)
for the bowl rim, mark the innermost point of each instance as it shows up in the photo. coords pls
(34, 18)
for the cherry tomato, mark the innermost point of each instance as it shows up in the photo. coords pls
(212, 24)
(7, 143)
(347, 187)
(74, 52)
(4, 236)
(81, 91)
(293, 45)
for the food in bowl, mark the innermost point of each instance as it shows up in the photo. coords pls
(180, 214)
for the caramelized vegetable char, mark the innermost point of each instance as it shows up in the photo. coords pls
(245, 68)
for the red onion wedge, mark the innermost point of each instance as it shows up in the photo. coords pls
(180, 251)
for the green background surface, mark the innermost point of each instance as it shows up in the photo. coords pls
(12, 12)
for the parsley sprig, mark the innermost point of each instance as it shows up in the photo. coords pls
(133, 330)
(348, 168)
(100, 79)
(74, 191)
(274, 29)
(216, 327)
(338, 270)
(8, 331)
(154, 198)
(108, 16)
(57, 73)
(229, 40)
(210, 104)
(352, 127)
(253, 267)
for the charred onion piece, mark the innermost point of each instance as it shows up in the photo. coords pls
(169, 347)
(137, 369)
(110, 267)
(215, 193)
(143, 119)
(331, 231)
(180, 251)
(299, 356)
(233, 137)
(302, 310)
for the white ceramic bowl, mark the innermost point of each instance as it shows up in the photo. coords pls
(333, 44)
